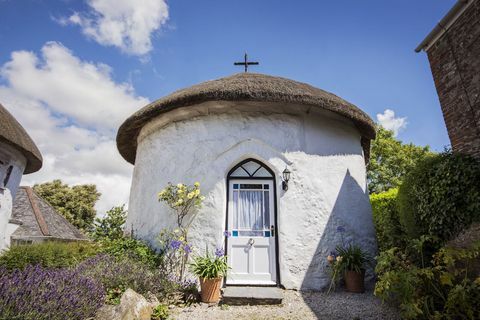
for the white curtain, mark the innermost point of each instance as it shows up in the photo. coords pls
(249, 210)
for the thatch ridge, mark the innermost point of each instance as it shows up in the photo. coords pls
(240, 87)
(12, 133)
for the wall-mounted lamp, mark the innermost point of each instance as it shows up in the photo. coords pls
(286, 177)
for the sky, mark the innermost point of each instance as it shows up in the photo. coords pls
(72, 71)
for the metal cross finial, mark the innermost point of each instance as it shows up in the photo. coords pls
(246, 63)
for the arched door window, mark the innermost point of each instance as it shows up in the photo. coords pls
(250, 168)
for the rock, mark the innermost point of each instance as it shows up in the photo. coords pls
(133, 306)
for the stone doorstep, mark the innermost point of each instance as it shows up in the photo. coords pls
(252, 295)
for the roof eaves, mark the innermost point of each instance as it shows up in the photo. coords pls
(447, 21)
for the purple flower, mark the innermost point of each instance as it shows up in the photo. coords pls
(175, 244)
(187, 248)
(219, 252)
(340, 229)
(227, 233)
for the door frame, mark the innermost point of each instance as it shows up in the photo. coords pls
(273, 179)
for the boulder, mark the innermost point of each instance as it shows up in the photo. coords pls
(133, 306)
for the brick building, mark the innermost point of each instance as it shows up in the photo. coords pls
(453, 49)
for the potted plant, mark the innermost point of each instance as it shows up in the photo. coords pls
(350, 263)
(210, 268)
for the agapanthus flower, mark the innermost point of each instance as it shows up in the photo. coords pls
(219, 252)
(175, 244)
(187, 248)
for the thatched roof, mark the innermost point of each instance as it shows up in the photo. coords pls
(39, 220)
(12, 133)
(241, 87)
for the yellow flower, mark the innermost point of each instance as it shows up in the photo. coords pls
(179, 185)
(179, 191)
(197, 184)
(197, 192)
(339, 259)
(190, 195)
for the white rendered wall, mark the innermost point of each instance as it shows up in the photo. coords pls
(327, 187)
(10, 157)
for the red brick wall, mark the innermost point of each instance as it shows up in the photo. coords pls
(455, 63)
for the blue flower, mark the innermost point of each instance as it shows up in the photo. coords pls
(219, 252)
(175, 244)
(187, 248)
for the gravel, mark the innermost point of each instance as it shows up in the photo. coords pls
(297, 305)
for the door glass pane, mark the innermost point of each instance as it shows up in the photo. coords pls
(251, 167)
(249, 210)
(250, 186)
(250, 233)
(262, 172)
(266, 210)
(235, 209)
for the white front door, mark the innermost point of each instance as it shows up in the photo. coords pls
(251, 230)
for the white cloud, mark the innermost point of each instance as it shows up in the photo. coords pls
(388, 120)
(71, 109)
(126, 24)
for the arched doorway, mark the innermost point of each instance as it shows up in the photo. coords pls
(251, 224)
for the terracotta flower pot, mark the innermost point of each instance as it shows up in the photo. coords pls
(210, 289)
(355, 281)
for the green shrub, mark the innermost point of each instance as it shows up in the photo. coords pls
(160, 312)
(131, 247)
(385, 218)
(49, 254)
(441, 196)
(442, 286)
(118, 274)
(111, 225)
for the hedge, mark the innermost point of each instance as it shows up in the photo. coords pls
(385, 218)
(441, 196)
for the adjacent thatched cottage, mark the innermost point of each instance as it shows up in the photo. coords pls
(18, 155)
(237, 135)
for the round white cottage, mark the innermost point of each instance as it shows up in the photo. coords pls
(236, 136)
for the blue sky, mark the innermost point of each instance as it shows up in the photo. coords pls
(54, 55)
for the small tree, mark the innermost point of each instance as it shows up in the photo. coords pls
(391, 160)
(111, 226)
(182, 199)
(76, 204)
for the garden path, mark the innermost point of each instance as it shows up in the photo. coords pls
(297, 305)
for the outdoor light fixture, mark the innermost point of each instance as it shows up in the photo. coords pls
(286, 177)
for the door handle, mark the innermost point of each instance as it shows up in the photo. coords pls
(272, 230)
(251, 242)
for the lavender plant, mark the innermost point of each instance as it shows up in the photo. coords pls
(38, 293)
(118, 274)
